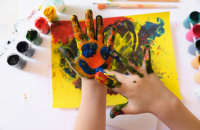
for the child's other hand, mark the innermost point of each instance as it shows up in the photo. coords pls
(143, 89)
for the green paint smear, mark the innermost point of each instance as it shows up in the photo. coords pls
(113, 82)
(134, 81)
(148, 67)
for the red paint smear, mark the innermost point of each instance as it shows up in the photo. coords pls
(63, 29)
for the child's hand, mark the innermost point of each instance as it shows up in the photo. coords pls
(143, 89)
(92, 55)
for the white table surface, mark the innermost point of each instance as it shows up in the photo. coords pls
(18, 113)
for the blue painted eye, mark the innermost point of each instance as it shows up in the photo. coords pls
(105, 52)
(89, 49)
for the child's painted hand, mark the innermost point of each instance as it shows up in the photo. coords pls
(141, 87)
(92, 55)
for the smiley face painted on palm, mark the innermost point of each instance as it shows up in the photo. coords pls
(92, 55)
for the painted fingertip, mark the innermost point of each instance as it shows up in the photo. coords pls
(108, 80)
(99, 17)
(88, 11)
(117, 110)
(73, 17)
(113, 28)
(146, 45)
(148, 62)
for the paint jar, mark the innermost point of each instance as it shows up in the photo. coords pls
(33, 36)
(192, 49)
(59, 5)
(16, 61)
(42, 25)
(197, 44)
(24, 48)
(193, 32)
(50, 14)
(193, 18)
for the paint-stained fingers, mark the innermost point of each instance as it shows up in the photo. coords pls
(89, 24)
(118, 110)
(68, 54)
(78, 34)
(147, 60)
(112, 80)
(122, 109)
(99, 29)
(111, 38)
(128, 65)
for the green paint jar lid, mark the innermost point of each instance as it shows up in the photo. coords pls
(32, 35)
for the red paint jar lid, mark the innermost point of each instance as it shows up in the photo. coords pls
(196, 30)
(40, 22)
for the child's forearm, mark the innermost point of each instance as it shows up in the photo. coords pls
(92, 111)
(176, 116)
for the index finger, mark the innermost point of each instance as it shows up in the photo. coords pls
(147, 60)
(78, 34)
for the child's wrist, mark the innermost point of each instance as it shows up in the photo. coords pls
(164, 107)
(92, 84)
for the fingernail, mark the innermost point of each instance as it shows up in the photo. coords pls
(117, 110)
(107, 79)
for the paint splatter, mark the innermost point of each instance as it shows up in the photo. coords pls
(134, 81)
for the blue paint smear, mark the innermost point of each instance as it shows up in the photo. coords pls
(105, 52)
(154, 30)
(100, 69)
(89, 49)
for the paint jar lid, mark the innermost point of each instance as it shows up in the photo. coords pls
(40, 22)
(197, 44)
(13, 59)
(195, 17)
(196, 30)
(57, 2)
(31, 35)
(22, 46)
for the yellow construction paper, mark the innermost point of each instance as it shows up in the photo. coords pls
(66, 95)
